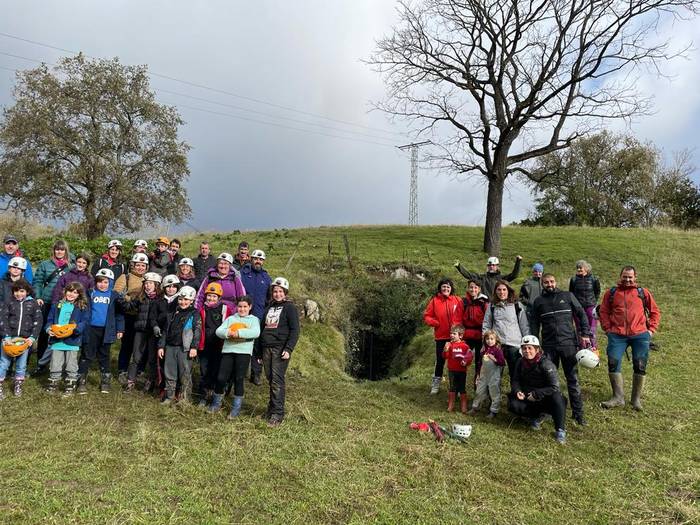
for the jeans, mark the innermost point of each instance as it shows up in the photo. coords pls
(439, 360)
(61, 358)
(20, 364)
(94, 348)
(617, 344)
(275, 370)
(554, 405)
(232, 367)
(567, 356)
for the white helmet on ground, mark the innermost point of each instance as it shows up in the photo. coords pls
(587, 358)
(186, 260)
(225, 257)
(493, 260)
(18, 262)
(258, 254)
(462, 431)
(153, 276)
(280, 281)
(114, 243)
(530, 340)
(188, 292)
(141, 243)
(169, 280)
(105, 272)
(139, 258)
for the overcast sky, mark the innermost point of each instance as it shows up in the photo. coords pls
(304, 55)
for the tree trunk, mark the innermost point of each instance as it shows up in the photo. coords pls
(494, 216)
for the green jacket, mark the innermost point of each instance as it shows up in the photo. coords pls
(46, 277)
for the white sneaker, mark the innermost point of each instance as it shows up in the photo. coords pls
(435, 385)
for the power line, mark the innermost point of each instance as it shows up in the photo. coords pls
(413, 186)
(221, 91)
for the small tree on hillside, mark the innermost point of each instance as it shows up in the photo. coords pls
(88, 142)
(501, 83)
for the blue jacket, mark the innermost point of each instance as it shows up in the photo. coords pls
(115, 319)
(257, 284)
(80, 317)
(5, 260)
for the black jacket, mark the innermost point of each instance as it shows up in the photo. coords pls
(280, 327)
(146, 312)
(488, 280)
(553, 312)
(202, 265)
(586, 289)
(21, 319)
(541, 380)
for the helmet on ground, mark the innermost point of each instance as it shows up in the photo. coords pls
(105, 272)
(493, 260)
(225, 257)
(258, 254)
(152, 276)
(186, 260)
(139, 258)
(587, 358)
(141, 243)
(462, 431)
(18, 262)
(214, 288)
(187, 292)
(15, 346)
(63, 330)
(530, 340)
(280, 281)
(114, 243)
(170, 280)
(162, 240)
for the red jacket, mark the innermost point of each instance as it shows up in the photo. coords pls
(458, 356)
(624, 315)
(442, 313)
(473, 317)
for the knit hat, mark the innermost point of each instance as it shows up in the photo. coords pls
(538, 267)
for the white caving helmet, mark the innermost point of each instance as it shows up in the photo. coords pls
(152, 276)
(139, 258)
(187, 292)
(114, 243)
(280, 281)
(462, 431)
(141, 243)
(105, 272)
(493, 260)
(169, 280)
(587, 358)
(528, 340)
(258, 254)
(225, 257)
(186, 260)
(18, 262)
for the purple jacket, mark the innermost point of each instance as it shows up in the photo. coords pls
(231, 284)
(84, 278)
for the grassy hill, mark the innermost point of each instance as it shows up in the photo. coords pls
(344, 453)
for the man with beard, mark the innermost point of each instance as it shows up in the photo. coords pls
(553, 313)
(257, 284)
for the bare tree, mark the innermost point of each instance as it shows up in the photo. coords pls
(503, 82)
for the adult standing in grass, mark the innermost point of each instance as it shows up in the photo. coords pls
(474, 304)
(629, 316)
(279, 336)
(444, 310)
(111, 260)
(506, 316)
(11, 250)
(493, 274)
(242, 256)
(256, 282)
(228, 277)
(586, 288)
(553, 313)
(531, 290)
(204, 261)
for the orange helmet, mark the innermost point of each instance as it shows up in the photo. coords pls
(236, 326)
(163, 240)
(16, 346)
(214, 288)
(63, 330)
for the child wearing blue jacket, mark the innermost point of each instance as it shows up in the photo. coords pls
(106, 326)
(239, 333)
(74, 310)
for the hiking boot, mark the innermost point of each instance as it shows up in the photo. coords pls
(105, 383)
(52, 386)
(491, 415)
(618, 397)
(19, 383)
(435, 385)
(216, 403)
(166, 401)
(451, 396)
(274, 421)
(638, 381)
(123, 377)
(463, 401)
(256, 379)
(82, 385)
(560, 436)
(536, 422)
(130, 386)
(580, 420)
(69, 389)
(236, 407)
(147, 386)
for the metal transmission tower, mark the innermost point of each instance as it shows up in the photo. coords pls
(413, 195)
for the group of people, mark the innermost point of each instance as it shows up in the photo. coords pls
(533, 334)
(168, 311)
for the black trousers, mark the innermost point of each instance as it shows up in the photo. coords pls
(275, 371)
(209, 364)
(554, 405)
(233, 367)
(458, 381)
(512, 354)
(94, 348)
(43, 341)
(567, 357)
(127, 346)
(439, 360)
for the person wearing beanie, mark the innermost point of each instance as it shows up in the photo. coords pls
(531, 290)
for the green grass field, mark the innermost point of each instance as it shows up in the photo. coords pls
(344, 453)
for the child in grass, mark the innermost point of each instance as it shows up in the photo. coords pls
(488, 382)
(213, 313)
(458, 357)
